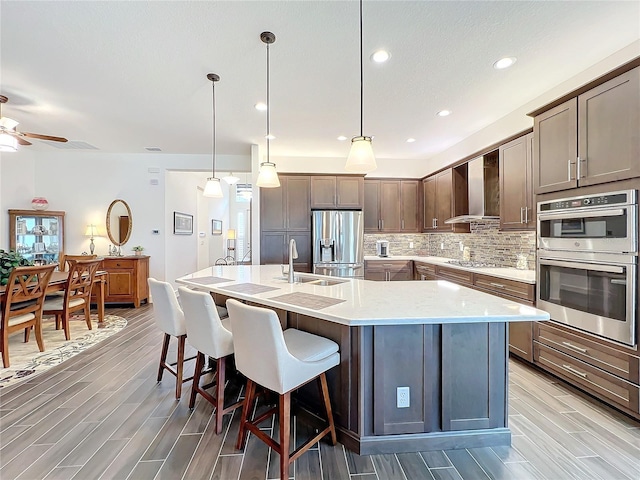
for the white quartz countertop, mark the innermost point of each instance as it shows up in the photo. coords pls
(525, 276)
(367, 302)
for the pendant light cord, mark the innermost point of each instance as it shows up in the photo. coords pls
(213, 161)
(361, 78)
(268, 107)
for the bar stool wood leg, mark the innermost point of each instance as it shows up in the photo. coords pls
(324, 390)
(247, 406)
(284, 412)
(220, 381)
(180, 366)
(196, 379)
(163, 355)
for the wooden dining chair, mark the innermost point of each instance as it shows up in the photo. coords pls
(22, 304)
(77, 294)
(65, 260)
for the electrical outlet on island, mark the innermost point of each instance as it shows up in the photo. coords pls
(410, 244)
(403, 397)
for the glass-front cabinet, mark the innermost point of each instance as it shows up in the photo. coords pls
(37, 235)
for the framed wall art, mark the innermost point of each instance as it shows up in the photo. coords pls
(182, 223)
(216, 227)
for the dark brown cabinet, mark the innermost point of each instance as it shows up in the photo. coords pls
(520, 333)
(445, 196)
(517, 206)
(285, 213)
(388, 270)
(330, 191)
(590, 139)
(608, 371)
(126, 279)
(286, 207)
(391, 206)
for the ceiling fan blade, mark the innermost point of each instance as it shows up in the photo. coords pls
(43, 137)
(21, 140)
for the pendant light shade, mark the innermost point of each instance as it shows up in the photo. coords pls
(361, 158)
(268, 176)
(231, 179)
(212, 188)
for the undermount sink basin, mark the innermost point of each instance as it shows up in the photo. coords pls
(323, 282)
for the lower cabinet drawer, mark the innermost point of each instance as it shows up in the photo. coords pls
(592, 379)
(604, 357)
(501, 286)
(461, 277)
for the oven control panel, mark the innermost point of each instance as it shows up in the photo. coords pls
(617, 198)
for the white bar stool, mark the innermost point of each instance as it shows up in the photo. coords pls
(170, 319)
(281, 362)
(210, 336)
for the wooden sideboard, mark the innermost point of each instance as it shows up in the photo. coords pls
(126, 279)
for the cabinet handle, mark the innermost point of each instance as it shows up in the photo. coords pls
(435, 222)
(402, 227)
(574, 371)
(497, 285)
(582, 169)
(526, 214)
(522, 214)
(569, 170)
(382, 223)
(379, 228)
(573, 347)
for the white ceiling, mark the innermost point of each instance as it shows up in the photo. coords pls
(127, 75)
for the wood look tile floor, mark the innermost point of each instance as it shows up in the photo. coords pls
(102, 415)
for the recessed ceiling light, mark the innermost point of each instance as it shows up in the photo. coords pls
(505, 62)
(342, 138)
(261, 106)
(444, 113)
(380, 56)
(270, 137)
(411, 140)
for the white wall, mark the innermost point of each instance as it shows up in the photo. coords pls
(83, 184)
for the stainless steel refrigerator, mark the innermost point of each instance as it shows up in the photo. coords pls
(338, 243)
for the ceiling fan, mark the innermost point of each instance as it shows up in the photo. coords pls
(10, 137)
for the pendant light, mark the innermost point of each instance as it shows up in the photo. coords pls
(231, 178)
(361, 158)
(213, 188)
(268, 176)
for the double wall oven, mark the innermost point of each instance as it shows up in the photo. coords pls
(588, 261)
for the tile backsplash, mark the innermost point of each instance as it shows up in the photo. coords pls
(486, 244)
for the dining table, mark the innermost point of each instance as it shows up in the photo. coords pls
(59, 280)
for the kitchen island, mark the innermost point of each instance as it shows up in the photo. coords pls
(445, 346)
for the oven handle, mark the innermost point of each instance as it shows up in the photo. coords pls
(577, 215)
(586, 266)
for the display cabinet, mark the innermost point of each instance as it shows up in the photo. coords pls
(37, 235)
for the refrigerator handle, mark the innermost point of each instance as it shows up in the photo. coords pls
(338, 235)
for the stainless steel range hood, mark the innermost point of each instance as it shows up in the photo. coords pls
(483, 189)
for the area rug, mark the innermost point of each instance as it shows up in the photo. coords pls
(27, 361)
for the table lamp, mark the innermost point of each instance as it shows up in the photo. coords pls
(92, 231)
(231, 243)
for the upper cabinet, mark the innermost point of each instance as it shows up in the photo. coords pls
(335, 192)
(590, 139)
(286, 207)
(391, 206)
(517, 207)
(445, 196)
(37, 235)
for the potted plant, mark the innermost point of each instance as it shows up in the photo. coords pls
(8, 261)
(138, 249)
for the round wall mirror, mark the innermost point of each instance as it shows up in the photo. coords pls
(119, 222)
